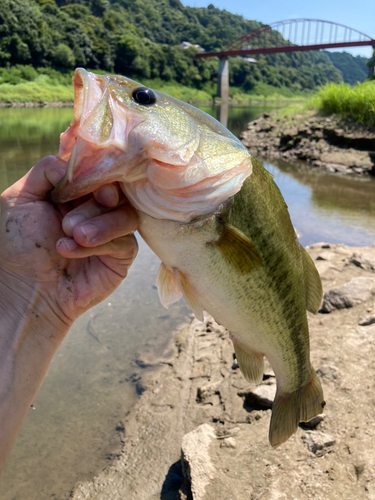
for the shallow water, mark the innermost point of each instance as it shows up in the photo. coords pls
(327, 207)
(78, 418)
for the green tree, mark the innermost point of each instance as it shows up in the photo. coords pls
(64, 56)
(371, 66)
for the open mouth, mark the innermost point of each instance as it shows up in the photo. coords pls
(93, 144)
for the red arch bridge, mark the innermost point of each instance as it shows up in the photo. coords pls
(287, 36)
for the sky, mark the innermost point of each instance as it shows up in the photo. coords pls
(356, 14)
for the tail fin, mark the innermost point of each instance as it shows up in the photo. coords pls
(289, 409)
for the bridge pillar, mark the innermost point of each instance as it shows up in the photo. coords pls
(223, 79)
(224, 113)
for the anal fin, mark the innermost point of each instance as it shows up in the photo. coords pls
(189, 294)
(250, 362)
(168, 288)
(289, 409)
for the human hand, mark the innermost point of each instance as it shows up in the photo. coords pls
(50, 251)
(51, 271)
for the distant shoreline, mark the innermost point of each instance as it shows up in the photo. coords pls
(68, 104)
(37, 104)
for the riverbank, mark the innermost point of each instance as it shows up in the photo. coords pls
(327, 143)
(195, 398)
(24, 86)
(37, 104)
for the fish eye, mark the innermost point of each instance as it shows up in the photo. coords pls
(144, 96)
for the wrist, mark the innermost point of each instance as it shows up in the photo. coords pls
(30, 334)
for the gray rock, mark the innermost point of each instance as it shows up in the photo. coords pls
(337, 167)
(354, 292)
(265, 392)
(317, 442)
(197, 467)
(329, 372)
(363, 261)
(370, 320)
(260, 398)
(228, 443)
(326, 255)
(206, 391)
(313, 423)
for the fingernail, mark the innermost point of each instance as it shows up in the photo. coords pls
(90, 231)
(70, 245)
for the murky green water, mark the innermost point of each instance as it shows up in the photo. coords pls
(78, 415)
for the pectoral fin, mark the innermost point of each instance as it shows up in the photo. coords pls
(250, 362)
(236, 249)
(314, 290)
(189, 294)
(168, 289)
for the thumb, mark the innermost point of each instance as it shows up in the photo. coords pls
(37, 183)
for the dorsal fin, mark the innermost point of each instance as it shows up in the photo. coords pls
(313, 284)
(167, 286)
(236, 248)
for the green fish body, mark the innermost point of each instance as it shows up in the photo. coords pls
(219, 224)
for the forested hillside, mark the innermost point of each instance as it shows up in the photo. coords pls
(353, 69)
(141, 39)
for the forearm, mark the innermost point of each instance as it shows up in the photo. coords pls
(30, 334)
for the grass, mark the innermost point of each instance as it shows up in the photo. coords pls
(27, 84)
(291, 111)
(355, 103)
(178, 91)
(23, 83)
(43, 89)
(265, 92)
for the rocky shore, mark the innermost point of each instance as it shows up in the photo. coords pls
(200, 431)
(325, 142)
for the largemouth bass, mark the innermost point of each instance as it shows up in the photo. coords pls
(215, 218)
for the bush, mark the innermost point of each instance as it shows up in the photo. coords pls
(356, 103)
(64, 56)
(18, 74)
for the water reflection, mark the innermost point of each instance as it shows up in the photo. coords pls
(223, 119)
(26, 135)
(236, 117)
(335, 191)
(327, 207)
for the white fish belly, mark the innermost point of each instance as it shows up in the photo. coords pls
(233, 300)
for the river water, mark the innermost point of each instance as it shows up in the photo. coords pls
(76, 427)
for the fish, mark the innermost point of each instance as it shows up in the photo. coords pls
(216, 219)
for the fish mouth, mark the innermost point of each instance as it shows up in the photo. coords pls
(95, 144)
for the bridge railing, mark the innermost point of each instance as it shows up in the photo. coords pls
(287, 36)
(294, 35)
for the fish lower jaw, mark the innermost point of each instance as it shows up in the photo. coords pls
(162, 210)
